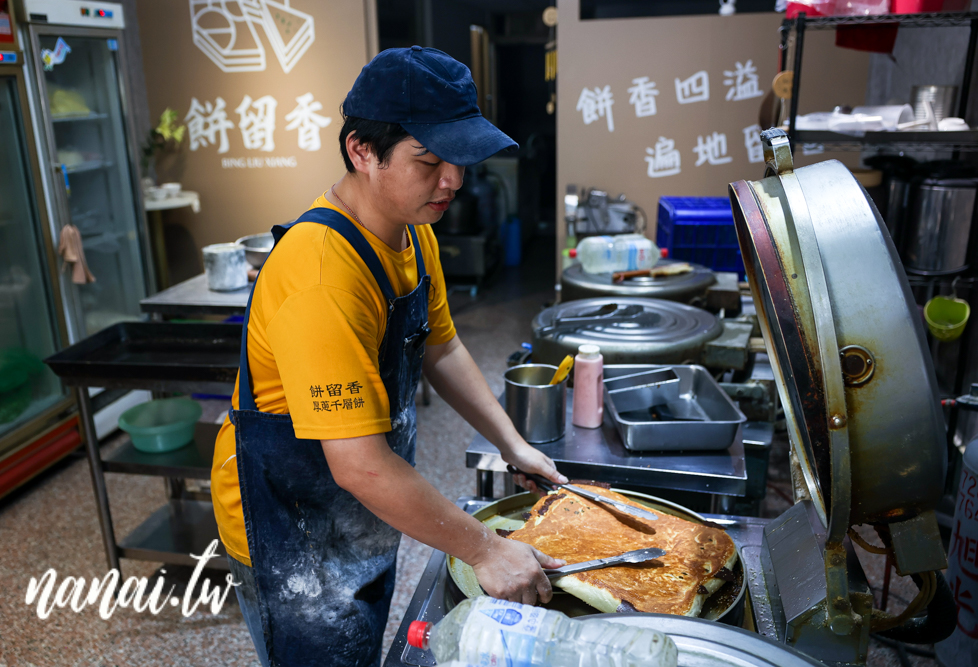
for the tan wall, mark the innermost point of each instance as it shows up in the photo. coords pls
(613, 52)
(247, 190)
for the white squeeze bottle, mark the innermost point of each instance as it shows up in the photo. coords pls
(588, 400)
(485, 631)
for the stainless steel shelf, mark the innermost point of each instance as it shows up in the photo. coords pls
(174, 532)
(928, 20)
(88, 165)
(966, 141)
(958, 142)
(190, 462)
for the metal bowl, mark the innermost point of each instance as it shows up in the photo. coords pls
(725, 606)
(257, 247)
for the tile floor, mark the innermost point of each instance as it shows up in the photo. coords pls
(52, 523)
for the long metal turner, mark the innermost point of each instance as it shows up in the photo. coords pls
(637, 556)
(546, 484)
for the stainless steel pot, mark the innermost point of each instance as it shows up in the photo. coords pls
(538, 409)
(936, 238)
(634, 331)
(941, 98)
(683, 287)
(257, 247)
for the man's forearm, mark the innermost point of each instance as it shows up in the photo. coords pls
(458, 380)
(390, 488)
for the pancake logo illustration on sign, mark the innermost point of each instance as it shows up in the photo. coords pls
(227, 32)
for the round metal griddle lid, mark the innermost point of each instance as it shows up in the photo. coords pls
(708, 644)
(843, 331)
(632, 321)
(678, 287)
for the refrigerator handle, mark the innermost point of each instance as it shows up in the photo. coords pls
(64, 173)
(65, 193)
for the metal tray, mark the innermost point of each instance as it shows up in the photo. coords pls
(643, 390)
(159, 356)
(704, 417)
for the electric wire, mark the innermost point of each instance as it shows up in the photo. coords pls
(880, 621)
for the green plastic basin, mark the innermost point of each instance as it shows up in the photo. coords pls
(161, 425)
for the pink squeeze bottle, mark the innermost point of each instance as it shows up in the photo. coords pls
(588, 387)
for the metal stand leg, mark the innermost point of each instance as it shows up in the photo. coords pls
(98, 478)
(483, 483)
(796, 76)
(720, 504)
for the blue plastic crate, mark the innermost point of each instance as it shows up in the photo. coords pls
(700, 230)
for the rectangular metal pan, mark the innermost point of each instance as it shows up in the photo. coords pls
(159, 356)
(704, 417)
(643, 390)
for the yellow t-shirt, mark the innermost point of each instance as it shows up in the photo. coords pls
(317, 321)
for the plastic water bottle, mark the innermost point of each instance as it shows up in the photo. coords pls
(607, 254)
(634, 252)
(485, 631)
(596, 254)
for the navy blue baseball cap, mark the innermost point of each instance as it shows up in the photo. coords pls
(432, 96)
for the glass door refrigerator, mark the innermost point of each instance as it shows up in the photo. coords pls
(38, 424)
(77, 64)
(89, 154)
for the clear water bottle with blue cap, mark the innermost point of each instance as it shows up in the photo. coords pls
(485, 631)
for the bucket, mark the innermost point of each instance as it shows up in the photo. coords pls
(538, 409)
(946, 317)
(226, 267)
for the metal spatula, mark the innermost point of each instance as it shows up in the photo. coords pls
(637, 556)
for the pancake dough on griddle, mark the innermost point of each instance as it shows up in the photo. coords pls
(696, 564)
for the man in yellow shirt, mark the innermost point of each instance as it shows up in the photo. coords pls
(313, 479)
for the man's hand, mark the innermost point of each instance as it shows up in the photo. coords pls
(531, 460)
(511, 570)
(457, 379)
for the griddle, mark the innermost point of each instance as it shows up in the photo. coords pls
(433, 597)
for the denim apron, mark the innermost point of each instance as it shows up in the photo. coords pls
(324, 565)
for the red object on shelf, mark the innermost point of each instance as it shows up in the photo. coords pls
(42, 452)
(879, 38)
(811, 9)
(916, 6)
(6, 22)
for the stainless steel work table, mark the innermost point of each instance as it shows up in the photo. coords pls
(192, 297)
(599, 454)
